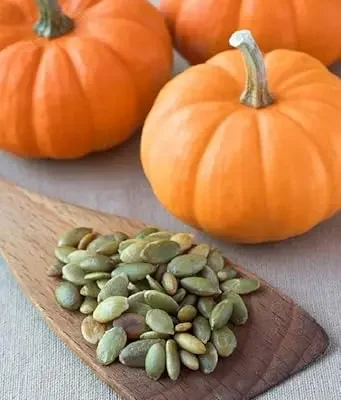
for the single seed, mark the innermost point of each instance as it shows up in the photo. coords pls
(226, 273)
(241, 285)
(108, 249)
(134, 354)
(132, 254)
(185, 240)
(155, 363)
(102, 282)
(224, 341)
(116, 286)
(96, 263)
(133, 324)
(110, 309)
(205, 306)
(202, 329)
(77, 256)
(189, 300)
(208, 273)
(73, 236)
(189, 360)
(154, 335)
(162, 268)
(90, 290)
(187, 313)
(62, 253)
(160, 252)
(186, 265)
(88, 306)
(200, 286)
(110, 345)
(96, 276)
(86, 240)
(135, 271)
(92, 331)
(180, 295)
(161, 300)
(67, 296)
(221, 314)
(136, 298)
(200, 249)
(190, 343)
(183, 327)
(74, 274)
(154, 284)
(239, 313)
(159, 321)
(170, 283)
(172, 359)
(209, 360)
(145, 232)
(215, 260)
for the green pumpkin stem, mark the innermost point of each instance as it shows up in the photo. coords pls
(256, 93)
(52, 22)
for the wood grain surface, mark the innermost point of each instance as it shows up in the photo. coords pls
(279, 339)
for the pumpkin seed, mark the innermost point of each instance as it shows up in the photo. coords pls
(154, 335)
(161, 235)
(145, 232)
(201, 250)
(108, 249)
(74, 274)
(135, 271)
(115, 259)
(200, 286)
(90, 290)
(161, 301)
(120, 236)
(88, 306)
(170, 283)
(187, 313)
(136, 298)
(154, 284)
(132, 254)
(55, 269)
(180, 295)
(110, 308)
(110, 345)
(205, 306)
(215, 260)
(208, 273)
(155, 363)
(77, 256)
(126, 243)
(226, 273)
(139, 308)
(239, 313)
(162, 268)
(202, 329)
(209, 360)
(135, 353)
(92, 331)
(189, 360)
(183, 327)
(224, 341)
(97, 276)
(241, 285)
(159, 321)
(86, 240)
(221, 314)
(133, 325)
(102, 282)
(186, 265)
(185, 240)
(160, 251)
(116, 286)
(172, 359)
(189, 300)
(96, 263)
(99, 241)
(67, 296)
(190, 343)
(62, 253)
(73, 236)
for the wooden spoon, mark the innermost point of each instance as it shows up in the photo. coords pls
(278, 340)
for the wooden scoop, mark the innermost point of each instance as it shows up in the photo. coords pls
(278, 340)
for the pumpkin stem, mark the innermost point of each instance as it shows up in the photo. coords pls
(52, 22)
(256, 93)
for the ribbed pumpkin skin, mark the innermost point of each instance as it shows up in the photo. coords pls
(243, 174)
(201, 28)
(85, 91)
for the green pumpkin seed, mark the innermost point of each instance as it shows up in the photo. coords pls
(67, 296)
(96, 263)
(116, 286)
(74, 274)
(170, 283)
(202, 329)
(161, 235)
(161, 300)
(160, 252)
(159, 321)
(133, 253)
(133, 324)
(155, 363)
(102, 282)
(139, 308)
(115, 259)
(92, 331)
(62, 253)
(201, 250)
(108, 249)
(120, 236)
(154, 284)
(241, 285)
(90, 290)
(190, 343)
(110, 345)
(239, 313)
(88, 306)
(97, 276)
(200, 286)
(183, 327)
(173, 365)
(226, 273)
(73, 237)
(86, 240)
(99, 241)
(126, 243)
(145, 232)
(180, 295)
(215, 260)
(208, 273)
(189, 360)
(110, 309)
(154, 335)
(77, 256)
(187, 313)
(162, 268)
(205, 306)
(136, 298)
(189, 300)
(186, 265)
(208, 361)
(135, 271)
(221, 314)
(55, 269)
(185, 240)
(224, 341)
(134, 354)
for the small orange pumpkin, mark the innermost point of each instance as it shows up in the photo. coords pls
(83, 81)
(200, 27)
(261, 167)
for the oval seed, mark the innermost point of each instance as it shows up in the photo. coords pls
(116, 286)
(102, 282)
(159, 321)
(154, 335)
(161, 300)
(108, 249)
(185, 240)
(90, 290)
(110, 345)
(145, 232)
(77, 256)
(201, 250)
(173, 365)
(205, 306)
(110, 308)
(180, 295)
(62, 253)
(160, 252)
(92, 331)
(139, 308)
(221, 314)
(162, 268)
(136, 298)
(134, 354)
(186, 265)
(189, 300)
(187, 313)
(202, 329)
(200, 286)
(96, 276)
(120, 236)
(133, 325)
(96, 263)
(226, 273)
(132, 254)
(161, 235)
(224, 341)
(126, 243)
(74, 274)
(209, 360)
(215, 260)
(241, 285)
(67, 296)
(155, 362)
(208, 273)
(73, 236)
(239, 313)
(154, 284)
(190, 343)
(86, 240)
(88, 306)
(183, 327)
(189, 360)
(99, 241)
(170, 283)
(135, 271)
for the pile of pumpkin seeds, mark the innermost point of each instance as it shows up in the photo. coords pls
(155, 301)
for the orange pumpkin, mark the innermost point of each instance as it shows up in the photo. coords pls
(200, 28)
(82, 80)
(261, 167)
